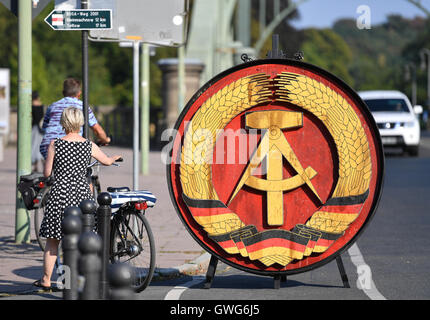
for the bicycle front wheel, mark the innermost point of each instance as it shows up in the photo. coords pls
(132, 242)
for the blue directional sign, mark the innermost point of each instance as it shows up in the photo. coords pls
(80, 19)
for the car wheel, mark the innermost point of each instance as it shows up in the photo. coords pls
(413, 151)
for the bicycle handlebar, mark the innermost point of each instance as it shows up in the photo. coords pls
(96, 162)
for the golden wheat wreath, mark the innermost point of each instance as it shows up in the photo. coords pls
(329, 222)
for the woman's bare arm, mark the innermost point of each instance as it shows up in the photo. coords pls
(47, 170)
(99, 155)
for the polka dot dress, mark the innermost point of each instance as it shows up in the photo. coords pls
(70, 186)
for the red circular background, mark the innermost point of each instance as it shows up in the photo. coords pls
(313, 146)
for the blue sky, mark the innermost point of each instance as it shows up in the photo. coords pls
(323, 13)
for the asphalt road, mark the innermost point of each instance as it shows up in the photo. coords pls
(391, 259)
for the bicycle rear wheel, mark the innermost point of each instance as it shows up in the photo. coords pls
(39, 213)
(132, 242)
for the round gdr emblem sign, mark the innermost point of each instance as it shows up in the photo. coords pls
(276, 166)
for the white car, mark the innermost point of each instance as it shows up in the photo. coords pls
(396, 119)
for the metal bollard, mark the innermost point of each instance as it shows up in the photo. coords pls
(73, 211)
(90, 245)
(71, 226)
(120, 279)
(88, 208)
(104, 212)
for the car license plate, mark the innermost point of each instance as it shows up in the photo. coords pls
(389, 140)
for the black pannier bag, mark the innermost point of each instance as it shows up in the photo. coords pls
(29, 188)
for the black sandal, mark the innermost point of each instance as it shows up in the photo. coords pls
(38, 283)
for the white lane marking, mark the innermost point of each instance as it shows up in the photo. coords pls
(176, 292)
(365, 280)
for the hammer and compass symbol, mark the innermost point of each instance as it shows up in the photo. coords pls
(274, 147)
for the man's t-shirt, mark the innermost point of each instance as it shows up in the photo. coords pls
(51, 122)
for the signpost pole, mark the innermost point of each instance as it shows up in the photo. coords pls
(84, 5)
(145, 110)
(22, 218)
(181, 78)
(135, 115)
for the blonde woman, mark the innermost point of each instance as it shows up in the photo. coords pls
(68, 158)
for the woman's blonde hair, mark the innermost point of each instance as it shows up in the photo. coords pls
(72, 119)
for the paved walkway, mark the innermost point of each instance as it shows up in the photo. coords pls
(177, 251)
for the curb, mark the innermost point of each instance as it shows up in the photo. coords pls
(197, 266)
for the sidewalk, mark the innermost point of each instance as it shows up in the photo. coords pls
(177, 252)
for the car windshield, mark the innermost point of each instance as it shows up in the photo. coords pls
(387, 105)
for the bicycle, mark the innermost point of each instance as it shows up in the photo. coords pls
(131, 238)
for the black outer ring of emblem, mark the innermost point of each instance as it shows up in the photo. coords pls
(378, 149)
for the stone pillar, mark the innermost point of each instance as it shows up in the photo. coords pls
(170, 88)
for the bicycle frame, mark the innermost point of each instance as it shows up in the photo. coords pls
(42, 197)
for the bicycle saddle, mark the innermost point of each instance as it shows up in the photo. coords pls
(117, 189)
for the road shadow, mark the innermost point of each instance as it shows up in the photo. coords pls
(243, 281)
(32, 273)
(23, 260)
(17, 286)
(8, 245)
(25, 291)
(239, 281)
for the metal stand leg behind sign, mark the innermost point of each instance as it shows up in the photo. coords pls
(342, 272)
(277, 281)
(210, 274)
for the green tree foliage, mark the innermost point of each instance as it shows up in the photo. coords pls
(9, 48)
(329, 51)
(411, 52)
(378, 57)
